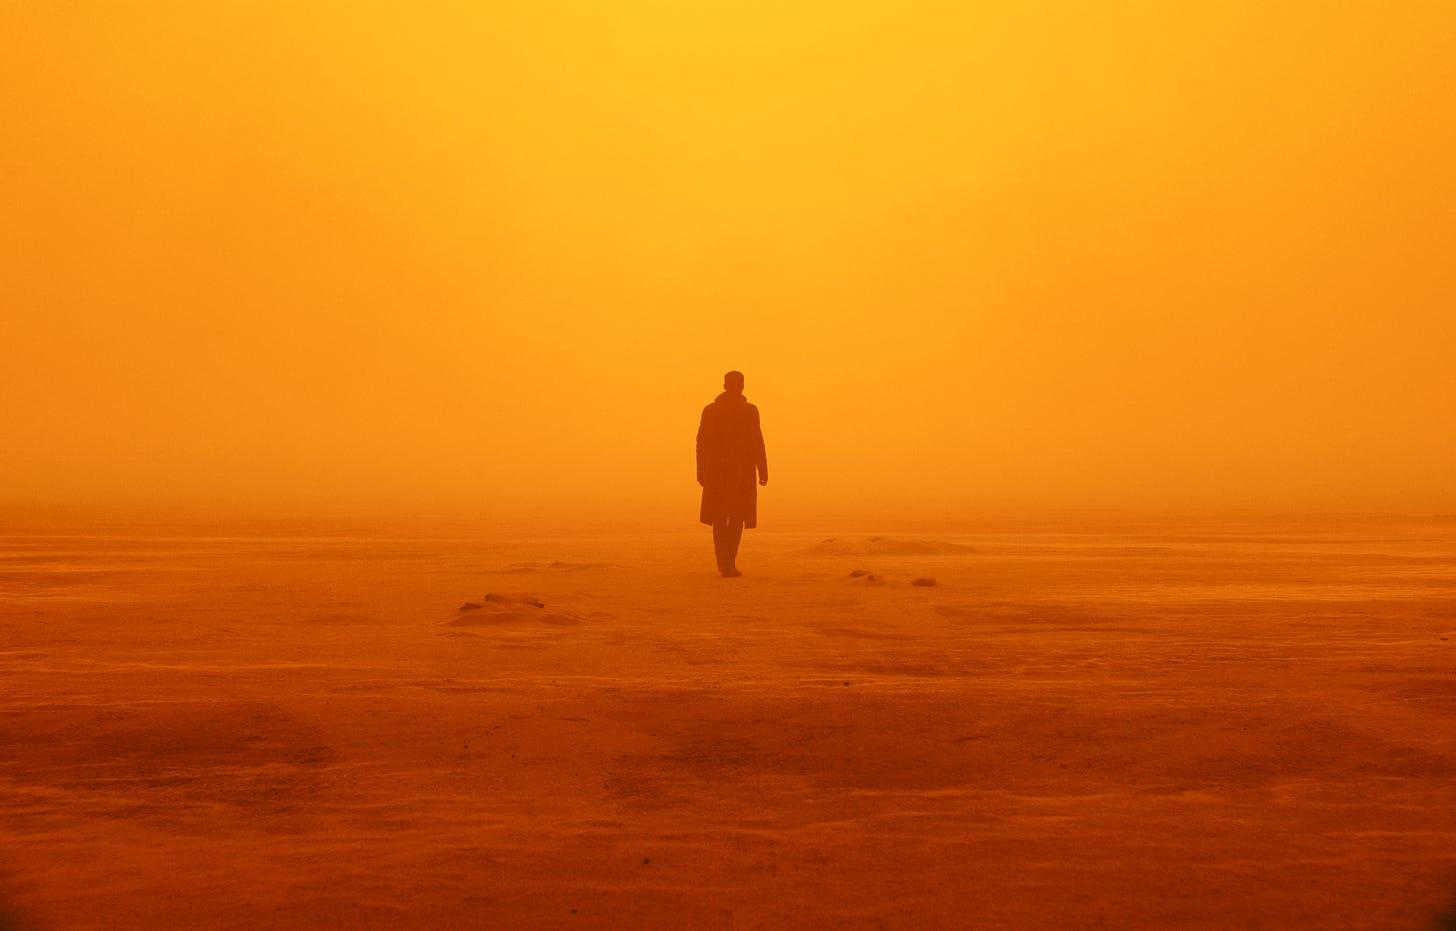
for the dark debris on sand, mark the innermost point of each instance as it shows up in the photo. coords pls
(514, 599)
(493, 598)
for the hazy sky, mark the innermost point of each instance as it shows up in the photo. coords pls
(971, 256)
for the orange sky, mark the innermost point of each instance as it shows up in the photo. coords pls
(971, 256)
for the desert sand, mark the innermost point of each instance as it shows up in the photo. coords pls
(1173, 724)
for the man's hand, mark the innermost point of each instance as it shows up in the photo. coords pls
(763, 479)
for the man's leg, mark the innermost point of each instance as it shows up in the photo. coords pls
(732, 534)
(720, 541)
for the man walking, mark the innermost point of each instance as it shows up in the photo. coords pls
(730, 449)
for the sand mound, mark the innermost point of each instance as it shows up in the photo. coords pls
(886, 546)
(498, 608)
(557, 565)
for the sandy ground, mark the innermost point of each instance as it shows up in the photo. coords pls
(1173, 725)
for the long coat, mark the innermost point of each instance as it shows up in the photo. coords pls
(730, 449)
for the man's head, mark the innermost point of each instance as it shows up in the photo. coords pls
(733, 383)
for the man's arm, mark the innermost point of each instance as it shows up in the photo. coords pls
(702, 430)
(762, 453)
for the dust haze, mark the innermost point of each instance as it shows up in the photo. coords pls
(272, 258)
(353, 355)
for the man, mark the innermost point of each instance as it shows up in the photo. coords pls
(730, 449)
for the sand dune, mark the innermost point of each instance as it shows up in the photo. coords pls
(885, 546)
(1179, 726)
(555, 565)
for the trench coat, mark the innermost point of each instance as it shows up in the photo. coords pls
(730, 450)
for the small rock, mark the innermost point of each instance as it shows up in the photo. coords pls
(872, 578)
(858, 573)
(471, 606)
(646, 860)
(923, 583)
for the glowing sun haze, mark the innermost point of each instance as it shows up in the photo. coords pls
(970, 256)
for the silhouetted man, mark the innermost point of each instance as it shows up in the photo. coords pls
(730, 449)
